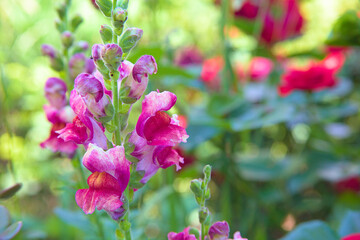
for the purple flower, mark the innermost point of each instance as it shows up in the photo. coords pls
(137, 76)
(84, 129)
(48, 50)
(156, 133)
(92, 92)
(219, 231)
(184, 235)
(110, 177)
(58, 113)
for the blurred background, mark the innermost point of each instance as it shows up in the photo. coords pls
(277, 160)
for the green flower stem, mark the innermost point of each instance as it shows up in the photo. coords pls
(114, 85)
(228, 75)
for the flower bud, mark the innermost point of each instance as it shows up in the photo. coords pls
(67, 39)
(203, 214)
(105, 7)
(207, 173)
(119, 18)
(219, 230)
(75, 22)
(130, 38)
(48, 50)
(100, 65)
(195, 187)
(106, 34)
(111, 54)
(61, 10)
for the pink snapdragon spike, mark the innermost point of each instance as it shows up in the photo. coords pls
(110, 177)
(92, 92)
(156, 134)
(219, 231)
(136, 76)
(84, 129)
(184, 235)
(58, 113)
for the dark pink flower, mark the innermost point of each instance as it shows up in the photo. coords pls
(184, 235)
(93, 94)
(188, 56)
(156, 133)
(354, 236)
(84, 129)
(136, 76)
(56, 144)
(110, 177)
(58, 113)
(351, 184)
(316, 76)
(282, 18)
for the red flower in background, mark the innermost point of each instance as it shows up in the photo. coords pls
(258, 69)
(350, 184)
(316, 76)
(354, 236)
(210, 71)
(282, 18)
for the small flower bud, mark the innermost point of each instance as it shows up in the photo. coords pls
(207, 173)
(48, 50)
(57, 63)
(67, 39)
(61, 10)
(119, 18)
(109, 112)
(130, 38)
(105, 7)
(195, 187)
(75, 22)
(203, 214)
(111, 54)
(100, 65)
(106, 34)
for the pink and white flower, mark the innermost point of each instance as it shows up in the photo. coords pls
(109, 179)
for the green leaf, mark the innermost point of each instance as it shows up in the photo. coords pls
(9, 192)
(346, 30)
(135, 179)
(128, 100)
(313, 230)
(76, 219)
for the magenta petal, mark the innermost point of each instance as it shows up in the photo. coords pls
(219, 231)
(87, 84)
(159, 131)
(165, 157)
(152, 103)
(55, 92)
(56, 144)
(184, 235)
(103, 193)
(112, 162)
(75, 131)
(143, 67)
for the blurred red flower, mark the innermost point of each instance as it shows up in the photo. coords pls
(210, 71)
(316, 76)
(350, 184)
(258, 69)
(281, 20)
(355, 236)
